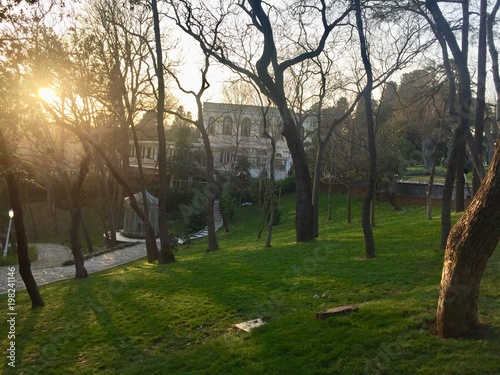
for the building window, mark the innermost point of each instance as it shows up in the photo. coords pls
(148, 153)
(225, 156)
(262, 160)
(246, 125)
(211, 126)
(279, 130)
(227, 126)
(280, 164)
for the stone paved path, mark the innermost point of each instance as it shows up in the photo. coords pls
(48, 268)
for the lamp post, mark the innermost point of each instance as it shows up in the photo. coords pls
(11, 215)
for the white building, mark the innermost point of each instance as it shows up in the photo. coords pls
(235, 131)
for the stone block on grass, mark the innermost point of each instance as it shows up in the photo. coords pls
(335, 311)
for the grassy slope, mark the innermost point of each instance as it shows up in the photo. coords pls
(148, 319)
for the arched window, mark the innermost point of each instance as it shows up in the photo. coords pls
(246, 125)
(227, 126)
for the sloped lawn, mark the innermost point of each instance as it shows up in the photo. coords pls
(177, 319)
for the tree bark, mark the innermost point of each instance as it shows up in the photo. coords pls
(304, 213)
(166, 252)
(348, 204)
(370, 125)
(460, 178)
(481, 90)
(104, 188)
(86, 234)
(75, 213)
(470, 244)
(447, 39)
(22, 240)
(272, 207)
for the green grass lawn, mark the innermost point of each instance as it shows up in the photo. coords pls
(176, 319)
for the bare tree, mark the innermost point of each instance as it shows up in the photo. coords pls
(268, 69)
(370, 124)
(212, 186)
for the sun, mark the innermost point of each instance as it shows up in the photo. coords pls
(47, 94)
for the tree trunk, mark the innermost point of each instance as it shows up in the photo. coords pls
(481, 90)
(166, 252)
(470, 244)
(213, 189)
(76, 213)
(460, 178)
(430, 186)
(304, 213)
(349, 199)
(447, 40)
(372, 151)
(86, 234)
(330, 201)
(317, 183)
(32, 217)
(103, 187)
(22, 240)
(272, 207)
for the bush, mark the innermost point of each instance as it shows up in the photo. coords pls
(228, 205)
(287, 184)
(197, 221)
(175, 198)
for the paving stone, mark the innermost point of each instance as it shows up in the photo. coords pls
(56, 272)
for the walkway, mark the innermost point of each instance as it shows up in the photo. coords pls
(48, 268)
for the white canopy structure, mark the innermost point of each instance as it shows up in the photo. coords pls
(133, 226)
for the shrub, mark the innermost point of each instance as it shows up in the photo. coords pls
(197, 220)
(228, 205)
(287, 184)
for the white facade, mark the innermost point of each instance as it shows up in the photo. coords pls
(237, 130)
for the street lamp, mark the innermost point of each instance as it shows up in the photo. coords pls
(11, 215)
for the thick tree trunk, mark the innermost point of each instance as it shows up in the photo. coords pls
(304, 213)
(470, 244)
(22, 240)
